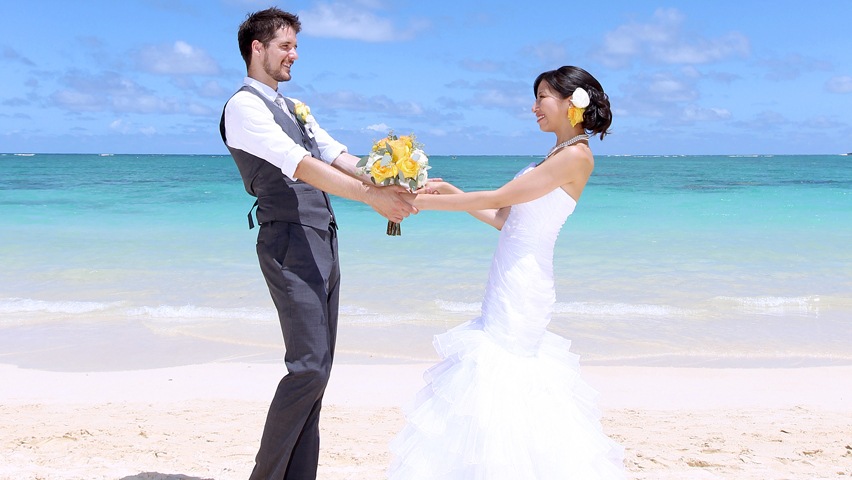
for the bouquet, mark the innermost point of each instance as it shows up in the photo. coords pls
(396, 160)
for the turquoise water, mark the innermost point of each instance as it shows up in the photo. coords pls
(693, 260)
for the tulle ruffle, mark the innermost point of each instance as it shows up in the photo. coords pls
(491, 414)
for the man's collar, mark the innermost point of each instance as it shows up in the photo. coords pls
(261, 87)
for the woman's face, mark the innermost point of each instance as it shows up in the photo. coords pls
(550, 110)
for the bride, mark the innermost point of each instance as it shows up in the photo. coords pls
(507, 401)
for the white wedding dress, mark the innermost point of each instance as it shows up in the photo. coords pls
(507, 401)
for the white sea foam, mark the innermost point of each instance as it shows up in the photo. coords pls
(27, 305)
(579, 308)
(382, 319)
(617, 309)
(709, 357)
(191, 313)
(459, 307)
(808, 306)
(354, 311)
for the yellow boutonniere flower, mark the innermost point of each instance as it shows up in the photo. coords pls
(303, 113)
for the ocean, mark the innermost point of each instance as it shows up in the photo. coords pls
(133, 261)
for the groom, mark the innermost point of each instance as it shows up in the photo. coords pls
(291, 164)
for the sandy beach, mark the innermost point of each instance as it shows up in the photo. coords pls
(203, 421)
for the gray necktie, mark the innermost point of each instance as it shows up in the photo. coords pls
(279, 100)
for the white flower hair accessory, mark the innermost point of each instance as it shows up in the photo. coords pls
(579, 102)
(580, 98)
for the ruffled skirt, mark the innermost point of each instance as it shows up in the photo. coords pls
(488, 413)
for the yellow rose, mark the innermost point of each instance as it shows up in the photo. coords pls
(380, 144)
(380, 173)
(400, 149)
(410, 168)
(407, 140)
(575, 115)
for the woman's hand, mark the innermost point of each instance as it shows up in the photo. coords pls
(436, 186)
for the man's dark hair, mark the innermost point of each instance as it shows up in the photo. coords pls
(263, 26)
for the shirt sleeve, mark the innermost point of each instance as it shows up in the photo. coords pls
(250, 127)
(329, 148)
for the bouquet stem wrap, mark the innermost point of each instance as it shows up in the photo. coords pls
(394, 229)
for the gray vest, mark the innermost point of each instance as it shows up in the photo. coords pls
(280, 199)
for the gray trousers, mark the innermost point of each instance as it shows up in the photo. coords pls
(301, 268)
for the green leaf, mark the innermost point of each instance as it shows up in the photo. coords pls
(362, 163)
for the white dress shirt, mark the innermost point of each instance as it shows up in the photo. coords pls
(251, 128)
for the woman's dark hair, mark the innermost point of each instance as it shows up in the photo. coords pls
(598, 116)
(263, 26)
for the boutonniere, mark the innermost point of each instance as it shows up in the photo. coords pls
(303, 113)
(579, 102)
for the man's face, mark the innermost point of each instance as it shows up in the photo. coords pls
(280, 55)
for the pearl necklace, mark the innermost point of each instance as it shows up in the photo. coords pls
(570, 141)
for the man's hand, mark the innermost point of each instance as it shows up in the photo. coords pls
(389, 203)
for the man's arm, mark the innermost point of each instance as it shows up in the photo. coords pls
(346, 163)
(385, 200)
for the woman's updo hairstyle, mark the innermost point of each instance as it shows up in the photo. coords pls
(598, 116)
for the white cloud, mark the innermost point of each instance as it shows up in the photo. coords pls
(703, 51)
(120, 126)
(179, 58)
(666, 88)
(694, 113)
(342, 20)
(200, 110)
(511, 96)
(663, 95)
(662, 40)
(378, 127)
(78, 101)
(839, 84)
(112, 92)
(124, 127)
(348, 100)
(496, 98)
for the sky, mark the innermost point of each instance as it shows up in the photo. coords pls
(684, 77)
